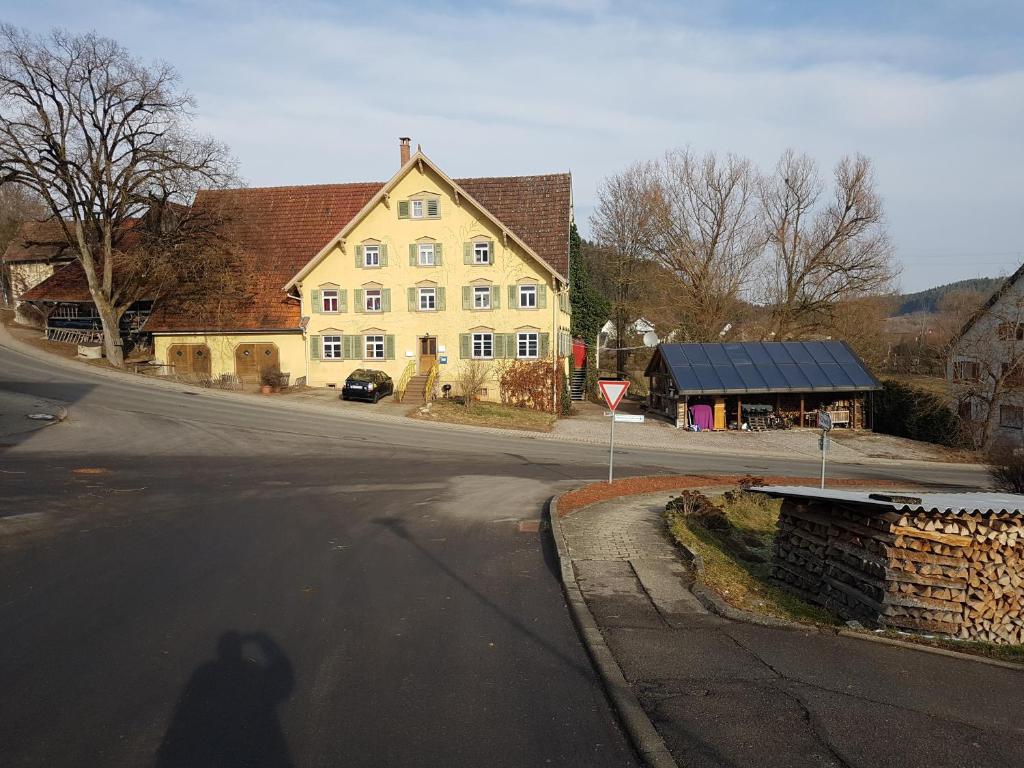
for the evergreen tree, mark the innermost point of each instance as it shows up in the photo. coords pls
(590, 309)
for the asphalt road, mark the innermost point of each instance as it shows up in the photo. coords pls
(191, 580)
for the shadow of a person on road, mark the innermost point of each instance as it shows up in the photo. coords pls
(227, 715)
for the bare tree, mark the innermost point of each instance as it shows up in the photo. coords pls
(708, 233)
(104, 140)
(822, 253)
(625, 225)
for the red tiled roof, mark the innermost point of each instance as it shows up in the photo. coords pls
(38, 241)
(536, 208)
(67, 283)
(282, 228)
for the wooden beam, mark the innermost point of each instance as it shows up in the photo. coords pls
(801, 410)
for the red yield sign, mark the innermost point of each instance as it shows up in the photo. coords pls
(613, 392)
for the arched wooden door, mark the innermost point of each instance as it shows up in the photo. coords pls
(253, 360)
(190, 359)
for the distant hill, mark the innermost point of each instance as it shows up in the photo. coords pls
(929, 300)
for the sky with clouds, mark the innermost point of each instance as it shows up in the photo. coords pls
(314, 92)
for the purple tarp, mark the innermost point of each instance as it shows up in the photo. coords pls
(702, 416)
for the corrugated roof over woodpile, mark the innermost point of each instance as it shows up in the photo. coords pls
(966, 503)
(761, 367)
(38, 241)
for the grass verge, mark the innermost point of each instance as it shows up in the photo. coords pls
(736, 559)
(485, 415)
(737, 566)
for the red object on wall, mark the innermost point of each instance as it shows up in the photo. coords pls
(579, 354)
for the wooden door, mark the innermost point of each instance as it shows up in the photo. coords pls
(428, 353)
(190, 360)
(253, 360)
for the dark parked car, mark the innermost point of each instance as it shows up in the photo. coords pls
(367, 384)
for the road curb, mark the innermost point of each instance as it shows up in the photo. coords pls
(642, 733)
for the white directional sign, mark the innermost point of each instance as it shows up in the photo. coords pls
(629, 417)
(613, 392)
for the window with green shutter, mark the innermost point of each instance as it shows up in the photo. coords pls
(467, 297)
(411, 299)
(315, 301)
(513, 296)
(314, 347)
(414, 251)
(358, 298)
(342, 300)
(433, 209)
(542, 297)
(495, 297)
(438, 257)
(383, 255)
(467, 253)
(440, 299)
(403, 209)
(464, 346)
(389, 347)
(385, 300)
(359, 255)
(545, 344)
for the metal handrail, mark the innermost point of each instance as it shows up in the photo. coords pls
(428, 391)
(403, 380)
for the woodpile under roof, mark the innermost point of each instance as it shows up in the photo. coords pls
(945, 563)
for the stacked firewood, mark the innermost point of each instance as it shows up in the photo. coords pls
(959, 575)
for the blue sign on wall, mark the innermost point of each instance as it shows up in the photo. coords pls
(444, 360)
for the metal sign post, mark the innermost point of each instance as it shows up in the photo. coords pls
(613, 392)
(825, 424)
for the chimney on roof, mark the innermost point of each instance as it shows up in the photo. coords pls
(403, 149)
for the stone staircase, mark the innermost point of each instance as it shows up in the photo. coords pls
(416, 389)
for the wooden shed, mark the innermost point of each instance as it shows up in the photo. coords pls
(950, 563)
(760, 384)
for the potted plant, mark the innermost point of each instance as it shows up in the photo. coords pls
(269, 381)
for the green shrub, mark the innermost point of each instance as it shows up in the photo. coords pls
(907, 411)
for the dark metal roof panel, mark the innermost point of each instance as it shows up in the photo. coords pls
(765, 367)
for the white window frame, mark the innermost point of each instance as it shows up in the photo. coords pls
(481, 253)
(417, 209)
(482, 346)
(524, 291)
(422, 251)
(524, 341)
(368, 300)
(331, 347)
(481, 291)
(330, 294)
(373, 347)
(368, 251)
(430, 295)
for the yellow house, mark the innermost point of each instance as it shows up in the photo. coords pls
(421, 272)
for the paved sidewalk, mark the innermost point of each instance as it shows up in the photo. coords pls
(725, 693)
